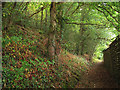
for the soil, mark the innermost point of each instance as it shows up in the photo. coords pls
(97, 77)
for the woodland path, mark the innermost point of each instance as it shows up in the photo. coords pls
(97, 77)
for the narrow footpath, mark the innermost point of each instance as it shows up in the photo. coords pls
(97, 77)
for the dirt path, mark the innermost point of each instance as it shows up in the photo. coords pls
(97, 77)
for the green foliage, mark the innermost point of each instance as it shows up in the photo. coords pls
(25, 59)
(15, 76)
(20, 71)
(86, 38)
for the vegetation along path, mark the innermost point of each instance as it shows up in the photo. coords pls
(97, 77)
(53, 44)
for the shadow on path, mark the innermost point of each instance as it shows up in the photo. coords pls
(97, 77)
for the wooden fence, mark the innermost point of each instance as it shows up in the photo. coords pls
(112, 58)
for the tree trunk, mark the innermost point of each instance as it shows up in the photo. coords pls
(82, 41)
(3, 4)
(41, 20)
(36, 20)
(82, 48)
(46, 21)
(60, 24)
(77, 48)
(51, 40)
(82, 31)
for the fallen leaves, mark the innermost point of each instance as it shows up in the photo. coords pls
(30, 64)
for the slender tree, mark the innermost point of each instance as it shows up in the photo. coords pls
(41, 20)
(52, 31)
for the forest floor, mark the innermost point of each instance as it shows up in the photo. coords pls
(97, 77)
(25, 58)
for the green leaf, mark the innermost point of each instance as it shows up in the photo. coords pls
(49, 62)
(13, 50)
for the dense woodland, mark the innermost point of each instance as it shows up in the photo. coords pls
(52, 44)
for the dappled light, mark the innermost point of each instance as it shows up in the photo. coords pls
(97, 60)
(59, 44)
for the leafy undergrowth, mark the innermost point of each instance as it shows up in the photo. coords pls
(73, 69)
(25, 63)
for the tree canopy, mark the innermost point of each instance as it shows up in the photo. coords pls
(40, 34)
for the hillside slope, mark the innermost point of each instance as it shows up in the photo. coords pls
(25, 62)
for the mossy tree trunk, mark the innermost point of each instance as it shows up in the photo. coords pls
(52, 32)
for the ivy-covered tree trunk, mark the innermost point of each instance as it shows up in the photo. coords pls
(51, 39)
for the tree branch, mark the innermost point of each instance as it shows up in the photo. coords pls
(14, 6)
(84, 23)
(75, 9)
(20, 5)
(59, 3)
(38, 11)
(104, 39)
(69, 9)
(108, 19)
(109, 13)
(25, 6)
(114, 9)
